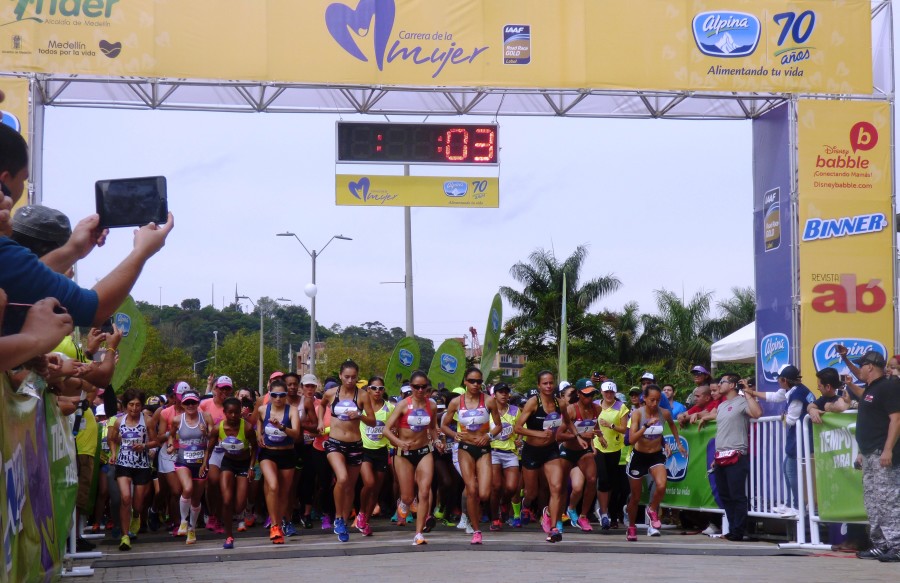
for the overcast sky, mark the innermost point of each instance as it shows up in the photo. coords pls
(661, 203)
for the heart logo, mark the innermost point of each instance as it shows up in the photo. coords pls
(344, 23)
(360, 189)
(109, 49)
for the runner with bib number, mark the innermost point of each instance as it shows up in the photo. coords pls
(191, 429)
(375, 458)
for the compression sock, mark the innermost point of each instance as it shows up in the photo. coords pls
(184, 506)
(195, 512)
(517, 510)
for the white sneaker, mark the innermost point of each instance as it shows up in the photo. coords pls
(789, 513)
(463, 523)
(652, 531)
(711, 530)
(597, 512)
(625, 516)
(780, 509)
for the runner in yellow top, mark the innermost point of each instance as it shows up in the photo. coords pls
(505, 461)
(612, 485)
(375, 454)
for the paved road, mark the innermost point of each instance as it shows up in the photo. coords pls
(521, 556)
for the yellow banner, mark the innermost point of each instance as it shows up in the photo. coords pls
(808, 46)
(847, 231)
(14, 112)
(452, 192)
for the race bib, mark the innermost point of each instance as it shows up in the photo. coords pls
(231, 445)
(375, 433)
(585, 425)
(343, 409)
(104, 445)
(552, 421)
(193, 454)
(274, 434)
(130, 442)
(473, 419)
(506, 431)
(419, 419)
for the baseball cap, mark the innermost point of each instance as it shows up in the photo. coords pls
(532, 393)
(181, 388)
(596, 373)
(792, 373)
(457, 390)
(648, 376)
(330, 385)
(101, 410)
(309, 379)
(635, 391)
(502, 388)
(583, 384)
(190, 396)
(275, 375)
(405, 389)
(563, 385)
(699, 369)
(609, 386)
(224, 381)
(151, 402)
(871, 357)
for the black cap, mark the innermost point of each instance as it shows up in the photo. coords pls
(872, 357)
(635, 391)
(502, 388)
(532, 393)
(789, 372)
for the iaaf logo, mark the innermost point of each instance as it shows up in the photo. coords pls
(863, 137)
(726, 34)
(775, 352)
(825, 352)
(848, 297)
(346, 24)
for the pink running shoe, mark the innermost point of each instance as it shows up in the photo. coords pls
(545, 520)
(476, 537)
(212, 523)
(632, 534)
(584, 524)
(654, 519)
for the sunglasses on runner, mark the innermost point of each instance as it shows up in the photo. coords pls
(475, 381)
(375, 388)
(278, 395)
(418, 387)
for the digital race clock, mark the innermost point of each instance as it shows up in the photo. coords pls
(417, 143)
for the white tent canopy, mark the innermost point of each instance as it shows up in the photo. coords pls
(739, 346)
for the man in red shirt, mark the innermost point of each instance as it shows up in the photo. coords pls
(703, 403)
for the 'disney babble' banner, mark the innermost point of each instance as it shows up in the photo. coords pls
(846, 222)
(808, 46)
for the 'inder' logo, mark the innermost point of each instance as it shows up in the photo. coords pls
(455, 188)
(677, 464)
(774, 352)
(726, 34)
(406, 357)
(449, 363)
(346, 25)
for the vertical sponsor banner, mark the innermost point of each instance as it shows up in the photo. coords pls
(689, 485)
(32, 539)
(491, 336)
(772, 244)
(14, 109)
(131, 322)
(404, 360)
(846, 254)
(448, 365)
(839, 490)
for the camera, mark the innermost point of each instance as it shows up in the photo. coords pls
(741, 386)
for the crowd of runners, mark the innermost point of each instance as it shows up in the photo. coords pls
(341, 453)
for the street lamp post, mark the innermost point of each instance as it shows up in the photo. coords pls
(261, 337)
(310, 290)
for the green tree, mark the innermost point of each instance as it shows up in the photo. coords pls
(238, 357)
(371, 358)
(681, 332)
(160, 365)
(534, 329)
(735, 312)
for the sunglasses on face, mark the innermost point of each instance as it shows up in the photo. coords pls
(418, 387)
(475, 381)
(375, 388)
(278, 395)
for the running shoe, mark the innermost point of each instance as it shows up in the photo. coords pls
(410, 518)
(367, 531)
(516, 522)
(276, 536)
(584, 524)
(340, 529)
(625, 520)
(448, 521)
(211, 522)
(632, 534)
(654, 519)
(125, 543)
(571, 516)
(191, 537)
(242, 526)
(268, 523)
(414, 507)
(110, 525)
(229, 543)
(182, 528)
(527, 516)
(326, 522)
(402, 513)
(249, 519)
(429, 523)
(711, 530)
(476, 537)
(439, 513)
(307, 521)
(597, 513)
(554, 536)
(496, 525)
(463, 523)
(653, 531)
(545, 520)
(135, 524)
(361, 522)
(288, 528)
(95, 528)
(419, 540)
(604, 522)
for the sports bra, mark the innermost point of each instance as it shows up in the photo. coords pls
(272, 436)
(191, 441)
(471, 420)
(415, 418)
(341, 409)
(233, 444)
(583, 425)
(654, 431)
(540, 420)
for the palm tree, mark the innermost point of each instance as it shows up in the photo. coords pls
(736, 312)
(681, 332)
(534, 330)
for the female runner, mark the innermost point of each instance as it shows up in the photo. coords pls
(375, 454)
(191, 429)
(649, 457)
(505, 461)
(235, 437)
(539, 421)
(476, 411)
(344, 447)
(612, 485)
(134, 436)
(412, 428)
(576, 450)
(278, 428)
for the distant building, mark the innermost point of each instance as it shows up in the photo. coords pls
(511, 365)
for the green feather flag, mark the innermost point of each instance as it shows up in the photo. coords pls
(563, 338)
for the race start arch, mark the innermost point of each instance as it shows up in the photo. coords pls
(815, 77)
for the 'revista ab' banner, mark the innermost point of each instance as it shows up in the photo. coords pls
(846, 223)
(808, 46)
